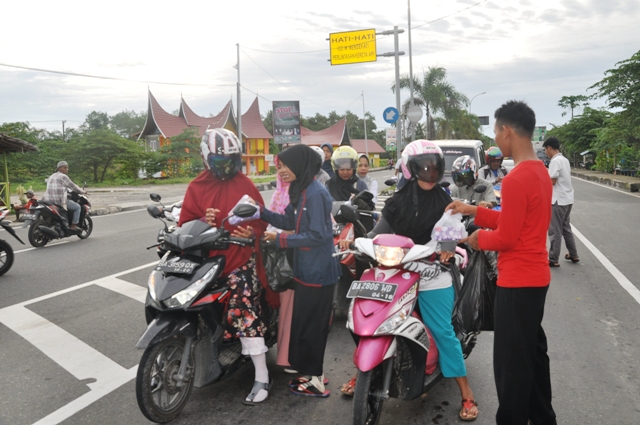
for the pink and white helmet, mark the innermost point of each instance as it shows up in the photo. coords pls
(423, 160)
(221, 153)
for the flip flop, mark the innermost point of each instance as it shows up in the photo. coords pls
(307, 389)
(573, 260)
(466, 406)
(304, 379)
(349, 388)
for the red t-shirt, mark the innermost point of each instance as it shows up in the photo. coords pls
(520, 229)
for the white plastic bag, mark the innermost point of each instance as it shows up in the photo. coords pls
(235, 220)
(449, 228)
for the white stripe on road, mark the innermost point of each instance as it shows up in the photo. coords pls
(122, 287)
(617, 274)
(46, 246)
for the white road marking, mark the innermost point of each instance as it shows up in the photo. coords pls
(606, 186)
(617, 274)
(46, 246)
(75, 356)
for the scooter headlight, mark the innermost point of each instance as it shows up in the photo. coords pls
(392, 323)
(350, 315)
(389, 256)
(151, 284)
(190, 292)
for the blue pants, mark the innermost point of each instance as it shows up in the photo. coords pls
(436, 307)
(74, 207)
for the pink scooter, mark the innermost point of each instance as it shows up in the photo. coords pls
(396, 355)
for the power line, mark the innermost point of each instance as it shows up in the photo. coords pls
(451, 14)
(102, 77)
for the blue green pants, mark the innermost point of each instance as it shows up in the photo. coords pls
(436, 307)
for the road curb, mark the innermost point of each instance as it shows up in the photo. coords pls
(630, 184)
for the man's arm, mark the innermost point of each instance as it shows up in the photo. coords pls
(71, 185)
(510, 220)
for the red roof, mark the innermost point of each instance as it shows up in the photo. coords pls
(372, 145)
(335, 135)
(252, 126)
(204, 123)
(160, 121)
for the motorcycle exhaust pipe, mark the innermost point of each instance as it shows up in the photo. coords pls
(49, 232)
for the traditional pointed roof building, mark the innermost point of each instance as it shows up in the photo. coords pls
(336, 135)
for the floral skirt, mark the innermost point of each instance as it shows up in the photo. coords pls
(244, 314)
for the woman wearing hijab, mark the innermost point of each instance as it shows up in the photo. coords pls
(210, 197)
(363, 174)
(345, 184)
(279, 202)
(316, 271)
(326, 164)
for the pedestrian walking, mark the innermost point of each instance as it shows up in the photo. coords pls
(561, 204)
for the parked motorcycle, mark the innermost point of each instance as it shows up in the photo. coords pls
(396, 355)
(47, 221)
(185, 309)
(171, 214)
(6, 252)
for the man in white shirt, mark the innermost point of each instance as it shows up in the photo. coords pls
(562, 201)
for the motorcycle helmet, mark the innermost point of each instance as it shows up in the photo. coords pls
(464, 171)
(345, 158)
(423, 160)
(493, 153)
(319, 151)
(221, 153)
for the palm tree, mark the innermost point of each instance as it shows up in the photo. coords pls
(435, 94)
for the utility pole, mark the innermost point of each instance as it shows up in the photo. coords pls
(411, 124)
(63, 121)
(364, 120)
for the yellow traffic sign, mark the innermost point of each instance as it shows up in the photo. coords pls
(353, 47)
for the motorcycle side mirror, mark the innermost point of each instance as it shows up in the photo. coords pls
(480, 189)
(365, 195)
(349, 213)
(154, 211)
(245, 210)
(391, 181)
(444, 184)
(155, 197)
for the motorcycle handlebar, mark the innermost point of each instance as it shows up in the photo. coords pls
(243, 241)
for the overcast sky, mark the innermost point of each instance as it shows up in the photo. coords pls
(534, 50)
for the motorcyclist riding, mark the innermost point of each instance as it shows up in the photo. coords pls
(464, 173)
(493, 172)
(56, 193)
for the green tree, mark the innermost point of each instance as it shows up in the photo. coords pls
(181, 157)
(581, 132)
(127, 123)
(435, 94)
(573, 102)
(95, 121)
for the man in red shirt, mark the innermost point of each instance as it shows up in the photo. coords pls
(519, 233)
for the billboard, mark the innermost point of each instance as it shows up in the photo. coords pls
(286, 122)
(539, 134)
(353, 47)
(391, 139)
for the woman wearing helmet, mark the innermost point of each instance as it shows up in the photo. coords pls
(464, 173)
(210, 197)
(344, 184)
(493, 172)
(413, 212)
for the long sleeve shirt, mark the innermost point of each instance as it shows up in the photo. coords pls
(520, 229)
(57, 185)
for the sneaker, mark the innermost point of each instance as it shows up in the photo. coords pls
(312, 388)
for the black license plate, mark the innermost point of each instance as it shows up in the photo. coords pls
(177, 265)
(29, 216)
(378, 291)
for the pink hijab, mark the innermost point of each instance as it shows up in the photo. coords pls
(280, 198)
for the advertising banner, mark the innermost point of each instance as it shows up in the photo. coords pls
(540, 133)
(286, 122)
(391, 139)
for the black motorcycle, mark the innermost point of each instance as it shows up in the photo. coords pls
(48, 221)
(185, 309)
(6, 252)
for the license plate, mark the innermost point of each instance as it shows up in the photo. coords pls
(378, 291)
(177, 265)
(28, 216)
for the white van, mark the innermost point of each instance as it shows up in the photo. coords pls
(452, 149)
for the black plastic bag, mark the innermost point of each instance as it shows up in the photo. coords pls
(473, 310)
(278, 265)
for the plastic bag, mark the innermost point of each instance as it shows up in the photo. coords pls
(473, 310)
(235, 220)
(449, 228)
(278, 265)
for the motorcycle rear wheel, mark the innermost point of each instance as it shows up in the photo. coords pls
(36, 237)
(87, 227)
(159, 398)
(6, 257)
(367, 404)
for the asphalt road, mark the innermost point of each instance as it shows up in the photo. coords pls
(71, 313)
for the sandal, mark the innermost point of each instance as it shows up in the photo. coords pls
(349, 388)
(257, 386)
(309, 390)
(304, 379)
(552, 264)
(573, 260)
(467, 405)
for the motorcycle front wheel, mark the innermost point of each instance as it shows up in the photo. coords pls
(159, 397)
(87, 227)
(36, 237)
(367, 403)
(6, 257)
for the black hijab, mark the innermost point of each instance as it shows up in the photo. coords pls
(413, 212)
(305, 163)
(340, 189)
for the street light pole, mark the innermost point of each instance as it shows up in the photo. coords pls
(411, 125)
(470, 102)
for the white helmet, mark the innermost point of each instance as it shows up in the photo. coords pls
(319, 151)
(221, 153)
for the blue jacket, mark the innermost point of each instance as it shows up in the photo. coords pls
(313, 264)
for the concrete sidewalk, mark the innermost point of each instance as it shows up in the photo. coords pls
(632, 184)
